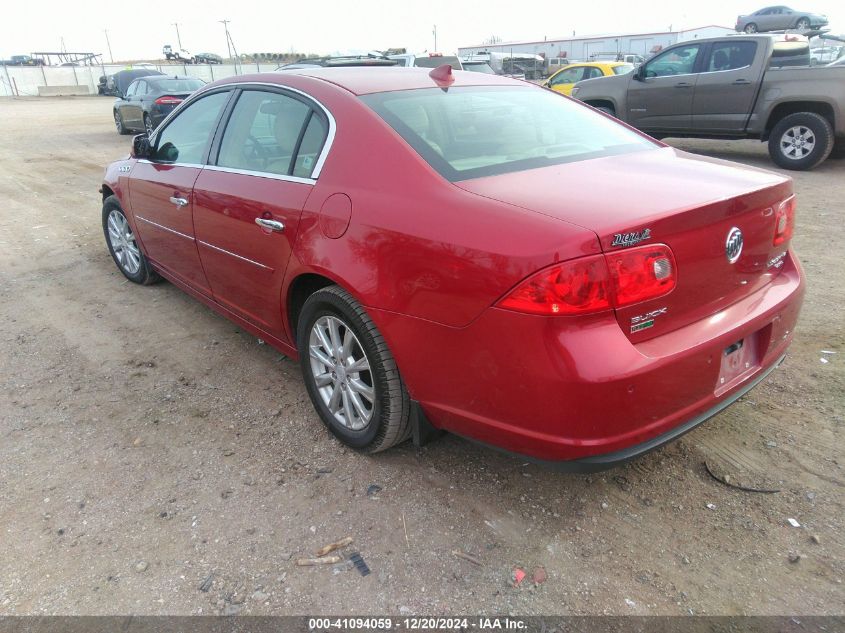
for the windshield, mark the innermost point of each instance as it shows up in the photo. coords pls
(479, 67)
(177, 85)
(623, 69)
(471, 132)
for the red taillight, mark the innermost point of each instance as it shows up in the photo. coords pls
(573, 287)
(641, 273)
(784, 221)
(168, 100)
(596, 283)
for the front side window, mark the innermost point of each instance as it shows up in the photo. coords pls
(731, 55)
(471, 132)
(130, 91)
(186, 137)
(568, 76)
(677, 61)
(263, 132)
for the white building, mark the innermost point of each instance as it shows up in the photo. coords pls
(582, 48)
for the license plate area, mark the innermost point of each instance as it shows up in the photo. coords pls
(739, 360)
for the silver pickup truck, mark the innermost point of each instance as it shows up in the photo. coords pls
(730, 87)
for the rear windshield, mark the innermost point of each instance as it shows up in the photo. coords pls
(434, 62)
(479, 67)
(623, 69)
(177, 85)
(471, 132)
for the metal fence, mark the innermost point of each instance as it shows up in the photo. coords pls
(24, 81)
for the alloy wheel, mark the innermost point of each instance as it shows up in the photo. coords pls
(118, 122)
(341, 372)
(148, 125)
(797, 142)
(751, 28)
(122, 241)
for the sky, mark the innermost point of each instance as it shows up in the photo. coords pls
(138, 31)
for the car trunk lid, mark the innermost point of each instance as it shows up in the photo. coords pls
(690, 203)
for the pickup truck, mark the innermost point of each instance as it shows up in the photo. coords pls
(731, 87)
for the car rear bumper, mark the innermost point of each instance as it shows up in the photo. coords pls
(577, 390)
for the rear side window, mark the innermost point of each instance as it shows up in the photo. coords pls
(186, 137)
(731, 56)
(272, 133)
(471, 132)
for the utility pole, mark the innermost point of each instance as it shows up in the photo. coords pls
(435, 38)
(178, 39)
(106, 31)
(225, 24)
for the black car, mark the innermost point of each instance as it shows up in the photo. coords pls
(148, 100)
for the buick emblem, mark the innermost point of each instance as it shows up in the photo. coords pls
(733, 245)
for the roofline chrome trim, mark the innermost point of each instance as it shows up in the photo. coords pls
(261, 174)
(242, 258)
(327, 145)
(169, 230)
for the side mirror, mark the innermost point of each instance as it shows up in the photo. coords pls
(639, 73)
(141, 147)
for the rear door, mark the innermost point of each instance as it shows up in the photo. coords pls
(662, 98)
(248, 202)
(160, 189)
(727, 86)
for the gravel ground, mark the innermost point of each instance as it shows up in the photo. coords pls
(154, 459)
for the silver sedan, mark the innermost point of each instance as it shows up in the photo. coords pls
(779, 18)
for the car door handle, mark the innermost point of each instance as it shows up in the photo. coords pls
(741, 82)
(179, 202)
(273, 225)
(683, 84)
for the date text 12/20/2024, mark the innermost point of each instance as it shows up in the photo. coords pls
(416, 624)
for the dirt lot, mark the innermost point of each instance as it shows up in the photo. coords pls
(147, 445)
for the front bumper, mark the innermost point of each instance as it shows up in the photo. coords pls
(564, 389)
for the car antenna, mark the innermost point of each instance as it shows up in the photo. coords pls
(442, 74)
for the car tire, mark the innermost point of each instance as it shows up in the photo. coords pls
(148, 125)
(118, 123)
(123, 247)
(750, 28)
(328, 358)
(803, 24)
(801, 141)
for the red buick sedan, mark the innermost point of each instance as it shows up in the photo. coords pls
(466, 252)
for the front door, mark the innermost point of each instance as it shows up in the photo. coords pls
(661, 99)
(248, 204)
(161, 190)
